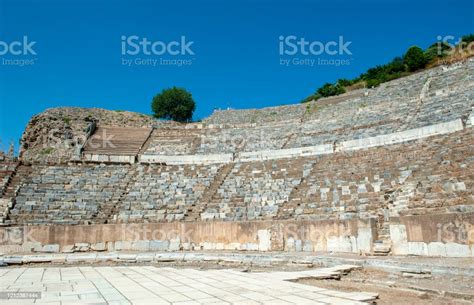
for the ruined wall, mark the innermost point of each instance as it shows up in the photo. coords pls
(340, 236)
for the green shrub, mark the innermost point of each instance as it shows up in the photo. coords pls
(344, 82)
(46, 151)
(174, 103)
(331, 90)
(468, 38)
(414, 58)
(396, 65)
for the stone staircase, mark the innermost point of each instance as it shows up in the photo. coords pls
(116, 141)
(7, 200)
(109, 212)
(194, 212)
(383, 244)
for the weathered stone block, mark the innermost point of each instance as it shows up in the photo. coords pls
(264, 240)
(141, 245)
(159, 245)
(53, 248)
(99, 247)
(82, 247)
(437, 249)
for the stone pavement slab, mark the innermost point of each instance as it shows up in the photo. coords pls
(153, 285)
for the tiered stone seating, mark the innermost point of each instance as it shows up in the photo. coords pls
(164, 193)
(428, 176)
(172, 141)
(116, 141)
(68, 194)
(425, 98)
(255, 190)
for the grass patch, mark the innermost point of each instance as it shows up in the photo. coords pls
(46, 151)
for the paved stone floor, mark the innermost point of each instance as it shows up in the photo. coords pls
(157, 285)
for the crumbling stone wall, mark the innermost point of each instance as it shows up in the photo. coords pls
(53, 135)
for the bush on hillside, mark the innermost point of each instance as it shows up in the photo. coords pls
(468, 38)
(330, 90)
(173, 104)
(415, 58)
(396, 66)
(344, 82)
(437, 50)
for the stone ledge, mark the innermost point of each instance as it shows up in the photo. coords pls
(186, 159)
(402, 136)
(285, 153)
(323, 149)
(394, 264)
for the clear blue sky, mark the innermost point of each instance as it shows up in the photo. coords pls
(236, 61)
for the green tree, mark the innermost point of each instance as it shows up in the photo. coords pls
(173, 103)
(414, 58)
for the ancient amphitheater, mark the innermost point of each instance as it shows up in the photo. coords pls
(383, 171)
(376, 178)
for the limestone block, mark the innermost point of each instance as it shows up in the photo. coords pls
(123, 245)
(82, 247)
(398, 235)
(437, 249)
(127, 257)
(298, 245)
(105, 257)
(249, 247)
(32, 246)
(84, 258)
(37, 259)
(58, 258)
(52, 248)
(145, 257)
(290, 244)
(364, 240)
(110, 246)
(457, 250)
(159, 245)
(99, 247)
(264, 240)
(175, 244)
(13, 259)
(67, 249)
(417, 248)
(141, 245)
(232, 246)
(339, 244)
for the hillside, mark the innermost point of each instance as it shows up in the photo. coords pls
(52, 135)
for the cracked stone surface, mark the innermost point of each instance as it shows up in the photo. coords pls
(152, 285)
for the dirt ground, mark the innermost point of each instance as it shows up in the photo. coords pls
(398, 289)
